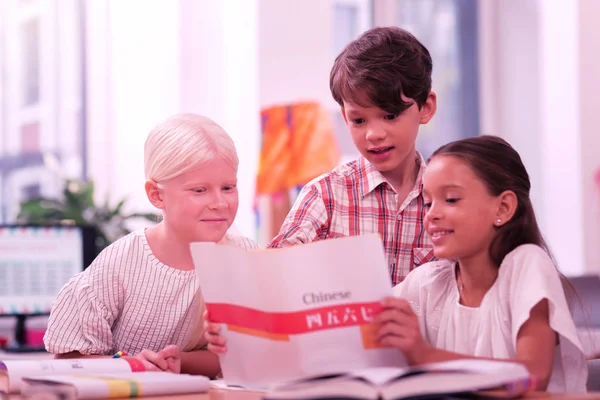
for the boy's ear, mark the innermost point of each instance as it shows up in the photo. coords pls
(428, 109)
(154, 194)
(507, 207)
(344, 115)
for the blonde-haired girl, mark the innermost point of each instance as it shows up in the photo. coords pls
(140, 295)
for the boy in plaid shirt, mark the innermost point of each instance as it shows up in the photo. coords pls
(382, 82)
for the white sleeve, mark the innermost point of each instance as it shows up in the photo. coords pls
(533, 278)
(409, 288)
(84, 312)
(425, 289)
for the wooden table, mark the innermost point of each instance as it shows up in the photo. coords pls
(224, 394)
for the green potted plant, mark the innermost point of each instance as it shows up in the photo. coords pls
(77, 207)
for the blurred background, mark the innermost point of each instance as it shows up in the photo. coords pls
(82, 82)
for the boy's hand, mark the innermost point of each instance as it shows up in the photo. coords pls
(168, 359)
(216, 342)
(398, 327)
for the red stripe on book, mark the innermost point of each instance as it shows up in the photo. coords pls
(135, 364)
(289, 323)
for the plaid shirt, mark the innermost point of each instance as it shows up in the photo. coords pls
(356, 199)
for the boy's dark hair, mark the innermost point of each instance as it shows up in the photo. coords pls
(379, 67)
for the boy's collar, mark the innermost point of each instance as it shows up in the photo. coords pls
(372, 178)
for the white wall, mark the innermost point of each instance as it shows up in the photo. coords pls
(589, 89)
(538, 91)
(219, 79)
(509, 83)
(561, 135)
(534, 95)
(133, 84)
(144, 68)
(3, 76)
(138, 77)
(295, 50)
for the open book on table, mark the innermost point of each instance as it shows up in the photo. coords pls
(11, 371)
(114, 385)
(496, 379)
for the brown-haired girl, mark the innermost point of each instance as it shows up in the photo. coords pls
(496, 292)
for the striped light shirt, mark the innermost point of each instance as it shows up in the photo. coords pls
(356, 199)
(128, 300)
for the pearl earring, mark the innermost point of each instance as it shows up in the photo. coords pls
(498, 222)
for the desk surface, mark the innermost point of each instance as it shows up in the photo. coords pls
(237, 394)
(224, 394)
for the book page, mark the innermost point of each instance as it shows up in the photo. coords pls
(296, 312)
(11, 371)
(381, 376)
(508, 370)
(118, 385)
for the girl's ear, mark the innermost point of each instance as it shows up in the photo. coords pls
(507, 206)
(154, 194)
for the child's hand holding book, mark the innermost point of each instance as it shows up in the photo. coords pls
(398, 326)
(212, 334)
(167, 360)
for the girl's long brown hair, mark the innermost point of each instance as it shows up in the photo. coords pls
(500, 168)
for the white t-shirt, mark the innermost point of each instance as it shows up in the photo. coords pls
(128, 300)
(527, 276)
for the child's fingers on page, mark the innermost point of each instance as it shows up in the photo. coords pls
(392, 315)
(397, 304)
(153, 358)
(171, 351)
(148, 366)
(173, 365)
(215, 340)
(394, 329)
(398, 342)
(389, 332)
(216, 349)
(212, 327)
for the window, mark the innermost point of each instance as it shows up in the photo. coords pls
(41, 104)
(350, 19)
(448, 28)
(30, 138)
(30, 34)
(31, 191)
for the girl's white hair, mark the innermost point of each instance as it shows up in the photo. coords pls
(184, 141)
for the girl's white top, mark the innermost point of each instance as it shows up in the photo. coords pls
(527, 276)
(128, 300)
